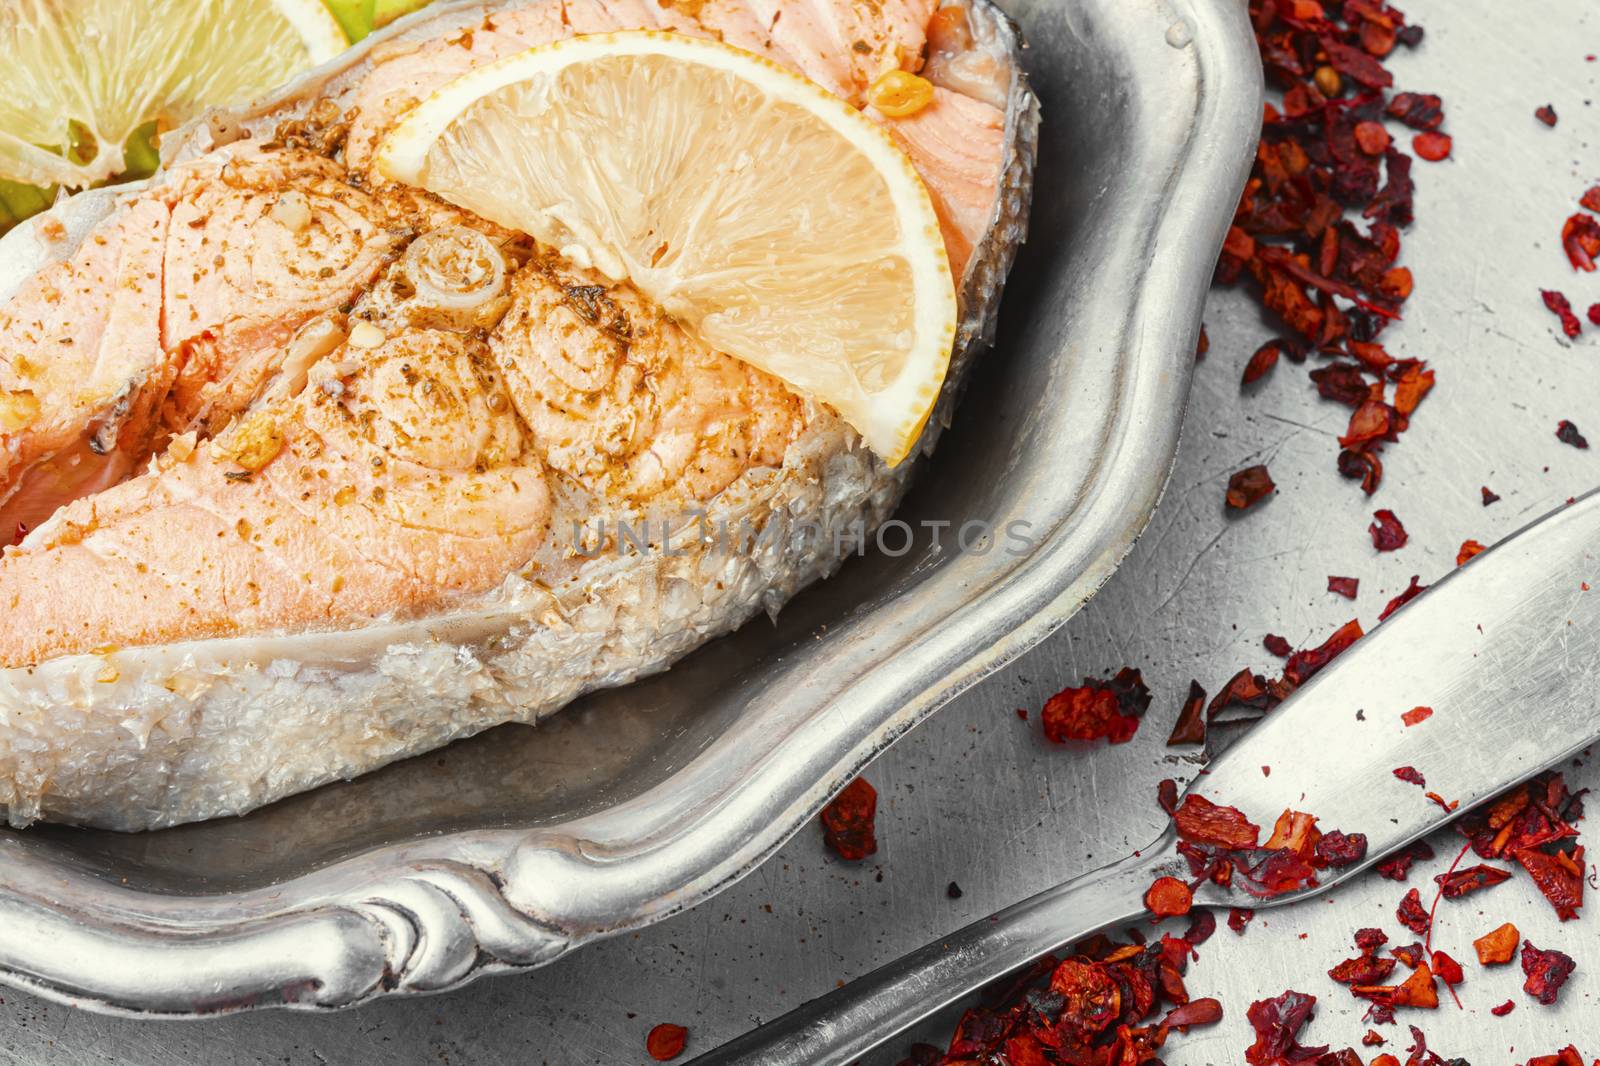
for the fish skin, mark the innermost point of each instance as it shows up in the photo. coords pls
(142, 737)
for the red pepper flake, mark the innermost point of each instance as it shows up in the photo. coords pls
(1338, 849)
(1567, 433)
(1594, 316)
(1096, 710)
(1411, 913)
(1416, 716)
(1191, 724)
(1277, 1023)
(1387, 533)
(1580, 239)
(1410, 954)
(1567, 1056)
(1168, 897)
(1591, 200)
(1412, 591)
(848, 822)
(1432, 146)
(1277, 645)
(1372, 138)
(1264, 359)
(1497, 947)
(1304, 665)
(1411, 776)
(1248, 487)
(1372, 1039)
(1420, 111)
(1560, 876)
(1546, 972)
(1460, 883)
(1488, 496)
(1397, 867)
(1470, 549)
(1204, 344)
(1195, 1012)
(1200, 821)
(1363, 970)
(1546, 114)
(1561, 307)
(1503, 1009)
(1167, 796)
(1417, 991)
(1239, 919)
(1344, 586)
(1447, 969)
(666, 1041)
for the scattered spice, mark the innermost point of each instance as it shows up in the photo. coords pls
(1097, 710)
(1239, 919)
(1387, 533)
(666, 1041)
(1447, 969)
(1567, 433)
(1199, 821)
(1411, 592)
(1411, 913)
(1432, 145)
(1397, 867)
(1416, 716)
(1277, 645)
(1546, 972)
(1546, 114)
(1561, 307)
(1266, 357)
(1344, 586)
(1503, 1009)
(1191, 725)
(1460, 883)
(953, 891)
(848, 823)
(1470, 549)
(1498, 947)
(1248, 487)
(1277, 1023)
(1411, 776)
(1490, 497)
(1168, 897)
(1580, 239)
(1594, 314)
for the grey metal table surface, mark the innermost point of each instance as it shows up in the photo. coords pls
(976, 796)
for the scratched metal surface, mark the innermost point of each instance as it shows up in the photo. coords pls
(977, 798)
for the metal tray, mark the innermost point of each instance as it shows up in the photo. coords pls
(507, 850)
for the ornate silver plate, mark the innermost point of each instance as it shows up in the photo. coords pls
(505, 851)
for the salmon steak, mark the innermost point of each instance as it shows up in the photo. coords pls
(304, 470)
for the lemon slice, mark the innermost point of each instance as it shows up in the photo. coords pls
(82, 75)
(763, 213)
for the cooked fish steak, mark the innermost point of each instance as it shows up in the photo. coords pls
(306, 457)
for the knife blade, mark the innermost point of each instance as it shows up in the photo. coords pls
(1505, 652)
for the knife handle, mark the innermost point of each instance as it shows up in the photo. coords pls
(840, 1027)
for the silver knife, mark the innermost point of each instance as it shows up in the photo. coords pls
(1505, 651)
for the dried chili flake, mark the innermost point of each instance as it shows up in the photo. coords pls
(1503, 1009)
(1546, 114)
(1387, 533)
(848, 821)
(1167, 795)
(1248, 487)
(1432, 146)
(1338, 850)
(1567, 1056)
(1200, 821)
(1567, 433)
(1344, 586)
(1277, 1023)
(1412, 591)
(1411, 776)
(1416, 716)
(1304, 665)
(1591, 199)
(1363, 970)
(1580, 239)
(1202, 924)
(1594, 316)
(1239, 919)
(1447, 969)
(1420, 111)
(1097, 710)
(1410, 954)
(1168, 897)
(1546, 972)
(1191, 725)
(1470, 549)
(1416, 991)
(1372, 1039)
(1195, 1012)
(1277, 645)
(1264, 359)
(1490, 497)
(1561, 307)
(1244, 689)
(1460, 883)
(1372, 137)
(666, 1041)
(1203, 345)
(1497, 947)
(1560, 876)
(1397, 867)
(1412, 914)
